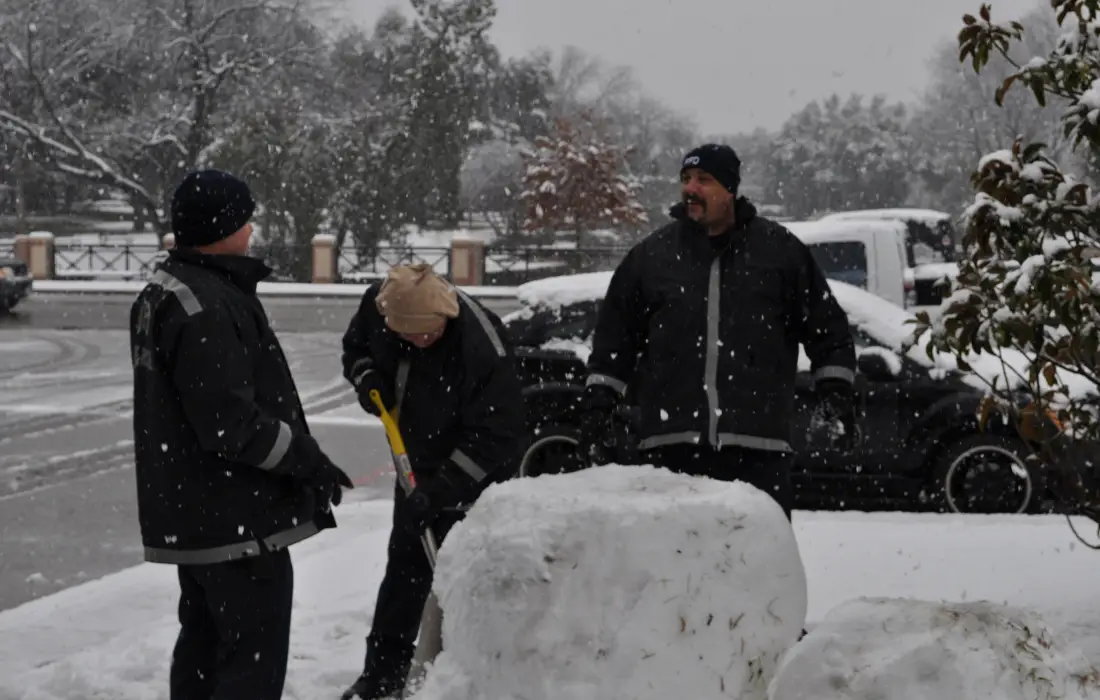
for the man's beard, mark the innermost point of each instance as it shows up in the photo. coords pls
(691, 199)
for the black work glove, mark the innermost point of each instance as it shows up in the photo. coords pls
(598, 403)
(369, 380)
(306, 462)
(435, 491)
(836, 416)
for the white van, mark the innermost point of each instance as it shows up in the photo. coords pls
(932, 246)
(868, 254)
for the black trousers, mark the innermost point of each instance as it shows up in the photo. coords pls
(408, 579)
(768, 471)
(234, 638)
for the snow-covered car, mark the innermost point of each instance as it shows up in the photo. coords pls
(922, 445)
(15, 283)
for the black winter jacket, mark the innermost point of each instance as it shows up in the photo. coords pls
(706, 332)
(459, 402)
(215, 410)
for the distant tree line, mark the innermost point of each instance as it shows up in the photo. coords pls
(420, 122)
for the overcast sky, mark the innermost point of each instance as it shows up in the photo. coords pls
(733, 65)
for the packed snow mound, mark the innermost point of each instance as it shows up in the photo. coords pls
(903, 649)
(617, 582)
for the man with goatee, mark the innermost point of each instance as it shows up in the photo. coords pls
(703, 320)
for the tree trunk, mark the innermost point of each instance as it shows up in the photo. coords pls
(21, 225)
(140, 217)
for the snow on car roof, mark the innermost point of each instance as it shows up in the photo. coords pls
(882, 320)
(928, 216)
(564, 290)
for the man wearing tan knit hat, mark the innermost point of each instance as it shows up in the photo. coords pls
(442, 361)
(417, 303)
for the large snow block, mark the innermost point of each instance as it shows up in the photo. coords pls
(617, 582)
(900, 649)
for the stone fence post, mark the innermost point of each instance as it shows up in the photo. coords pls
(324, 258)
(40, 252)
(467, 262)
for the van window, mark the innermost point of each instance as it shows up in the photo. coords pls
(930, 243)
(845, 261)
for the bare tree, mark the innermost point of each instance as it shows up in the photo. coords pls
(176, 72)
(491, 182)
(958, 120)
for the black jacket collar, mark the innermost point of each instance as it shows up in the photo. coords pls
(243, 271)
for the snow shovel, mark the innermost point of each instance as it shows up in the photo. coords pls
(431, 620)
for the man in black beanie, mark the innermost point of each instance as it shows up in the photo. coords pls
(702, 321)
(228, 476)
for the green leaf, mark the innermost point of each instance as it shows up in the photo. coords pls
(1037, 89)
(1032, 151)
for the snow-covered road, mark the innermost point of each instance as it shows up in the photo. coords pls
(67, 505)
(111, 310)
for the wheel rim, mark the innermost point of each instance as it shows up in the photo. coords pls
(539, 444)
(1007, 466)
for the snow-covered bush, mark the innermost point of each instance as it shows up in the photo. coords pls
(1027, 281)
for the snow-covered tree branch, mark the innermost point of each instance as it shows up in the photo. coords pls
(169, 78)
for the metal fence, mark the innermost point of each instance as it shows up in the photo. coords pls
(105, 261)
(504, 265)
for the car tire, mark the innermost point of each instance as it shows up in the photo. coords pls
(552, 451)
(1017, 492)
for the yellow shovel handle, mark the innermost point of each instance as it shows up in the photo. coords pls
(394, 435)
(403, 466)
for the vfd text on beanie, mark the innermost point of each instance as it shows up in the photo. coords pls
(719, 160)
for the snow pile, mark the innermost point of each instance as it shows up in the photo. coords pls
(617, 583)
(903, 649)
(112, 638)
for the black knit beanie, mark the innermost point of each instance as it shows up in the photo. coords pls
(717, 159)
(209, 206)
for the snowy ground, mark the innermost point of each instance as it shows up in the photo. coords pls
(111, 638)
(67, 507)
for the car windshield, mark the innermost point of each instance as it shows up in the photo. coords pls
(842, 260)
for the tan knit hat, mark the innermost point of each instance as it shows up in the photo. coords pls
(414, 299)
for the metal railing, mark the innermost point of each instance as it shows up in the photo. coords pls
(370, 264)
(505, 265)
(126, 261)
